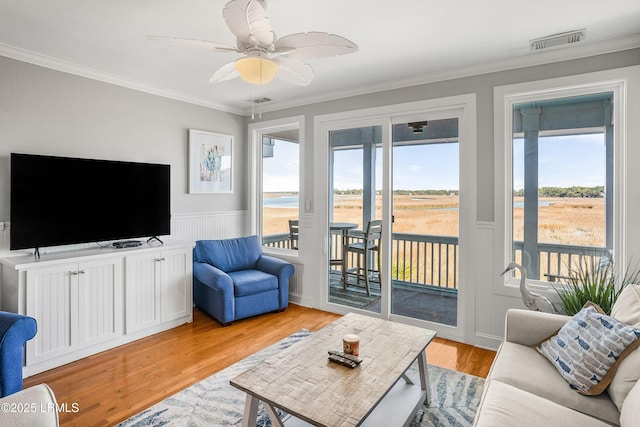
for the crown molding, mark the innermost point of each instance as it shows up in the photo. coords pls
(94, 74)
(547, 56)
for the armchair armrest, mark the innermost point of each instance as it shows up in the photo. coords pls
(15, 330)
(283, 270)
(42, 402)
(212, 277)
(276, 266)
(528, 327)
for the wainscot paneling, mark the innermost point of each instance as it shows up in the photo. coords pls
(212, 225)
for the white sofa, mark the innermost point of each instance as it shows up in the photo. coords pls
(524, 389)
(32, 407)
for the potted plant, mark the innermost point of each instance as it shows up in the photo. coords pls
(596, 281)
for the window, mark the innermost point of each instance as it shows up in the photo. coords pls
(275, 183)
(561, 173)
(280, 190)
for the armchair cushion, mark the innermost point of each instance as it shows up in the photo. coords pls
(229, 254)
(250, 282)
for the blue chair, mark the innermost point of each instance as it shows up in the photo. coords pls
(15, 331)
(233, 279)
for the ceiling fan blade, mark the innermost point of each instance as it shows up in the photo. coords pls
(248, 20)
(314, 45)
(201, 44)
(224, 73)
(294, 71)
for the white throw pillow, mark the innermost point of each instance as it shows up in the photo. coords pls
(626, 310)
(627, 307)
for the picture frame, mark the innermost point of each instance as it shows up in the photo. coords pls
(210, 162)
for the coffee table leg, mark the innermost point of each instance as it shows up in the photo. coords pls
(424, 375)
(250, 411)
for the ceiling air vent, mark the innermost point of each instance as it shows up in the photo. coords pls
(558, 39)
(261, 100)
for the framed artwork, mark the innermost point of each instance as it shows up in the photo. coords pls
(210, 162)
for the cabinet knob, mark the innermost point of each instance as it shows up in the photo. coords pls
(159, 259)
(74, 273)
(81, 272)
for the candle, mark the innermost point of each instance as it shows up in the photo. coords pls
(351, 344)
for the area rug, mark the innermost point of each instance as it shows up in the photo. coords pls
(214, 402)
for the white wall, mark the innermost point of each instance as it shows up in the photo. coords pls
(43, 111)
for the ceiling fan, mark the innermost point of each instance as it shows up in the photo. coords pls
(264, 55)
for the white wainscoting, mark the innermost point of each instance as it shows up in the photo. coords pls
(296, 287)
(212, 225)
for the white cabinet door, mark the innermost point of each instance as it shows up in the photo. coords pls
(75, 306)
(100, 301)
(142, 291)
(175, 275)
(158, 288)
(50, 295)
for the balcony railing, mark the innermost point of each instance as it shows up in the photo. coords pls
(556, 260)
(432, 261)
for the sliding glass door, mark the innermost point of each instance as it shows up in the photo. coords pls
(355, 192)
(426, 208)
(397, 187)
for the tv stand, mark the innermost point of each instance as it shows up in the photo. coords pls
(152, 238)
(87, 301)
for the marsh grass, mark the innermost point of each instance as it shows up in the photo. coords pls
(570, 221)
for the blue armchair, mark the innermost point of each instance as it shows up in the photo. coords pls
(233, 279)
(15, 330)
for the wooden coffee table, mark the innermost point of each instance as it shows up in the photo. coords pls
(379, 392)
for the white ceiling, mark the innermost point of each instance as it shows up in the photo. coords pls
(401, 42)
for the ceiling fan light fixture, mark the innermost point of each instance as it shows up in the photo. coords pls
(256, 70)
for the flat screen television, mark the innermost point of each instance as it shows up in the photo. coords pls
(61, 200)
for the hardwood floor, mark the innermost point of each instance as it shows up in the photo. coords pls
(112, 386)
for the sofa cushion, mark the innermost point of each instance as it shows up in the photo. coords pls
(630, 413)
(505, 405)
(627, 307)
(588, 348)
(523, 367)
(241, 253)
(250, 282)
(627, 310)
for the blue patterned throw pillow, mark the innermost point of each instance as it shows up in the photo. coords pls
(588, 349)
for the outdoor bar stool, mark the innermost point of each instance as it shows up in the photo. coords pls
(361, 245)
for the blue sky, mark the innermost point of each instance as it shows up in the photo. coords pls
(564, 161)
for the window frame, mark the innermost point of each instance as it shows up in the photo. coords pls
(255, 133)
(505, 97)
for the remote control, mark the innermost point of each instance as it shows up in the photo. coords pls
(346, 356)
(342, 361)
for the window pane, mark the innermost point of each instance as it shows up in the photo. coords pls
(560, 184)
(280, 191)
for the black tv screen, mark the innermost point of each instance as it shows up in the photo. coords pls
(62, 200)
